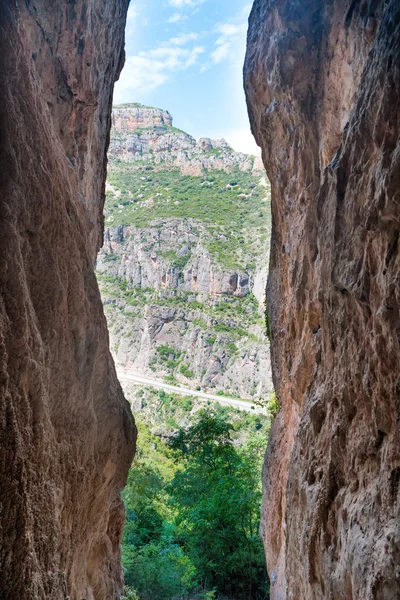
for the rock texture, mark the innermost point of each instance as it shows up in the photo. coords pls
(323, 90)
(177, 302)
(146, 134)
(141, 256)
(67, 434)
(180, 274)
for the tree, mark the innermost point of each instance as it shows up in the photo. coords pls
(217, 498)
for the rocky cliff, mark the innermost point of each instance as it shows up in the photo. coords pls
(179, 271)
(67, 434)
(147, 135)
(323, 89)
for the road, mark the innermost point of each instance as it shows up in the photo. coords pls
(139, 380)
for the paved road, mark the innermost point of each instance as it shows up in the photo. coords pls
(139, 380)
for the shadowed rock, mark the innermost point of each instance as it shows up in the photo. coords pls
(67, 434)
(323, 89)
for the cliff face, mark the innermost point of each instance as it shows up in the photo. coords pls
(144, 134)
(179, 270)
(323, 89)
(67, 434)
(171, 254)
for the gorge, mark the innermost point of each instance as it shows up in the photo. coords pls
(180, 272)
(322, 86)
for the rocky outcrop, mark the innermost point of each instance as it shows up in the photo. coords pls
(131, 117)
(143, 134)
(164, 289)
(67, 434)
(171, 254)
(181, 282)
(323, 90)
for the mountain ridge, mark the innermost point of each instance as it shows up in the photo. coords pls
(185, 220)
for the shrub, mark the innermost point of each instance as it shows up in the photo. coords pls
(186, 372)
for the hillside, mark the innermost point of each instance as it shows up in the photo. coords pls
(186, 221)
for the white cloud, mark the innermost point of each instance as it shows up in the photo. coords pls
(228, 29)
(230, 40)
(151, 69)
(242, 140)
(132, 19)
(132, 13)
(180, 3)
(221, 52)
(183, 39)
(177, 18)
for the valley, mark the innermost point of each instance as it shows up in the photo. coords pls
(182, 277)
(186, 224)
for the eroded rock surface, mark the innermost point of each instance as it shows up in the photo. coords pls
(142, 134)
(66, 432)
(323, 88)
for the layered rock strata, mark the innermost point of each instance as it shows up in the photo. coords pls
(145, 134)
(323, 89)
(140, 256)
(202, 311)
(67, 434)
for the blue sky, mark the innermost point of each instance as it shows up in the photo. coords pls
(187, 56)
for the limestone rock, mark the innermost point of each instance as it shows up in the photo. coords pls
(141, 256)
(141, 134)
(67, 433)
(323, 88)
(130, 117)
(169, 261)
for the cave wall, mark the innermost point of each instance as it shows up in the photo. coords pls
(66, 432)
(322, 81)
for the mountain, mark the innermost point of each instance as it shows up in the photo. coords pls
(185, 224)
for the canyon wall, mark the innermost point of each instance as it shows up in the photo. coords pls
(66, 432)
(323, 89)
(183, 268)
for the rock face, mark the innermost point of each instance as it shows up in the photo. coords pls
(131, 117)
(174, 294)
(146, 134)
(180, 277)
(323, 90)
(67, 434)
(142, 258)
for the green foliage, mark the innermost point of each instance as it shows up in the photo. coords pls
(217, 497)
(130, 594)
(186, 372)
(192, 514)
(232, 347)
(168, 356)
(271, 404)
(177, 262)
(212, 200)
(159, 571)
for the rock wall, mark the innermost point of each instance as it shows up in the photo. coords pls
(153, 300)
(140, 256)
(323, 90)
(67, 434)
(130, 117)
(144, 134)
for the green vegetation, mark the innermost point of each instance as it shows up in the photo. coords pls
(186, 372)
(192, 513)
(177, 262)
(228, 211)
(133, 105)
(229, 314)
